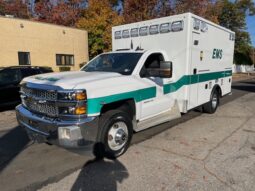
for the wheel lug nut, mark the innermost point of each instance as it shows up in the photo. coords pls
(110, 137)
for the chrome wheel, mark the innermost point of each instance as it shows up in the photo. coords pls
(117, 136)
(214, 101)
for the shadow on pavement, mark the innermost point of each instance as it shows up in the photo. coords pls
(248, 82)
(247, 88)
(11, 144)
(100, 175)
(6, 108)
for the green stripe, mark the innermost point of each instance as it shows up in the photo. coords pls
(95, 104)
(193, 79)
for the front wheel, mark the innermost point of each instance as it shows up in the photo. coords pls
(213, 104)
(115, 134)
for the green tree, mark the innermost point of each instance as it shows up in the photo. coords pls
(233, 16)
(98, 18)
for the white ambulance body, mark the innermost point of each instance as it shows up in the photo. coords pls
(201, 53)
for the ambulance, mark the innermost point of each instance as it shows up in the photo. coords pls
(158, 69)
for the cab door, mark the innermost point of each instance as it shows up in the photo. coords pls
(161, 102)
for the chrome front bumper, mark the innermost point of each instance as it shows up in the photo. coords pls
(70, 134)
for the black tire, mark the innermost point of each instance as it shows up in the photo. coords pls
(106, 123)
(213, 104)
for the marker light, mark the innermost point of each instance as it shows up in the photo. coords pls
(80, 96)
(80, 110)
(73, 110)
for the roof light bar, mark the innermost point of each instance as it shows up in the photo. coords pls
(117, 35)
(125, 33)
(154, 29)
(143, 31)
(165, 27)
(177, 26)
(134, 32)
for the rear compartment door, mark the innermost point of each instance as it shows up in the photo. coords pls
(194, 78)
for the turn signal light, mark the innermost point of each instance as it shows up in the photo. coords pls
(80, 96)
(80, 110)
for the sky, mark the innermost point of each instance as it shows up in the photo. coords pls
(251, 28)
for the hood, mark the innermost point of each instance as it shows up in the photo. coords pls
(69, 80)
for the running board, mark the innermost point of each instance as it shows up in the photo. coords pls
(172, 114)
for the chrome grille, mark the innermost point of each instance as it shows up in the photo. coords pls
(40, 94)
(44, 108)
(40, 101)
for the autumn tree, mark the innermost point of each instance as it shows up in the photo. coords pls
(165, 8)
(98, 19)
(2, 7)
(203, 8)
(17, 8)
(139, 10)
(43, 10)
(63, 12)
(198, 7)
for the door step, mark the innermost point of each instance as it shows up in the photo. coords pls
(172, 114)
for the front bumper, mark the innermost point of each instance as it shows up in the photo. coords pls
(70, 134)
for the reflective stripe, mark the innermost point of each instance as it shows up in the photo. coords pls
(193, 79)
(95, 104)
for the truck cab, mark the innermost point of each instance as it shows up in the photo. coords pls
(73, 109)
(157, 70)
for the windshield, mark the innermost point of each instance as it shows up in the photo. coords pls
(123, 63)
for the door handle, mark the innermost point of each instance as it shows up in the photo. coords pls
(194, 71)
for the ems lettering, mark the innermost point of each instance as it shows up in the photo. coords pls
(217, 53)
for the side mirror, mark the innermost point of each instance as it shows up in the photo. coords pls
(165, 70)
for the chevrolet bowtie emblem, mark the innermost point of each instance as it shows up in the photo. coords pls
(42, 101)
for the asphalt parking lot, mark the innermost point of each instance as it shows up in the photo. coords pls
(197, 152)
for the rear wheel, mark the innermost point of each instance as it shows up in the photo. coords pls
(115, 134)
(213, 104)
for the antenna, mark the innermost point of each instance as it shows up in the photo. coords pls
(138, 48)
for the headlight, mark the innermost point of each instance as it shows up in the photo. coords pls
(80, 110)
(78, 95)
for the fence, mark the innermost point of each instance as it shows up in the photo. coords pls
(243, 68)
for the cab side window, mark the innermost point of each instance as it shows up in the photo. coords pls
(152, 62)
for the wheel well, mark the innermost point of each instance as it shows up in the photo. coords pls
(125, 105)
(218, 88)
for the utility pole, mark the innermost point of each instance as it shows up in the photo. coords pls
(254, 56)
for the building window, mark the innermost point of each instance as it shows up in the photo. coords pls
(24, 58)
(64, 60)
